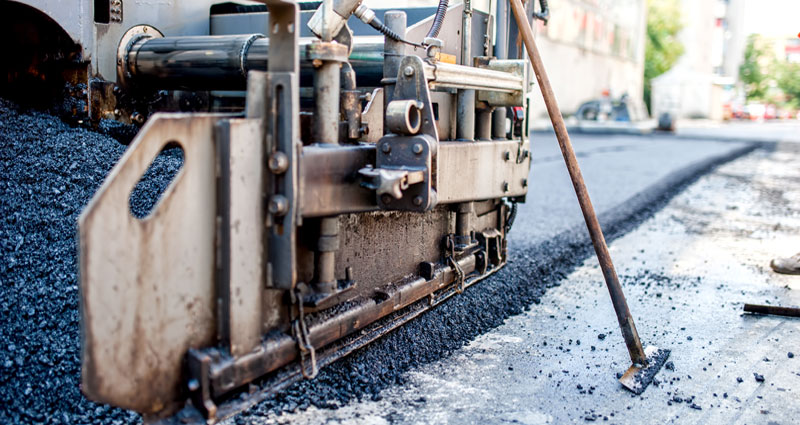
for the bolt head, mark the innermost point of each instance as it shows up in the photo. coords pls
(278, 163)
(278, 205)
(408, 71)
(417, 148)
(386, 198)
(137, 118)
(417, 200)
(386, 148)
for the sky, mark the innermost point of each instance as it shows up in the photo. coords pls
(772, 17)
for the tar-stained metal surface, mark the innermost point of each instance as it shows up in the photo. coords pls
(147, 286)
(379, 254)
(498, 168)
(242, 250)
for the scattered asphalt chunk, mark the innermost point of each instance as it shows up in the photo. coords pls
(790, 355)
(759, 378)
(669, 365)
(739, 379)
(601, 336)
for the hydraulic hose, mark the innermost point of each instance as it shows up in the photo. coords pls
(368, 17)
(438, 19)
(544, 14)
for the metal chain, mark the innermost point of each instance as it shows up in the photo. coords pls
(300, 331)
(512, 215)
(460, 277)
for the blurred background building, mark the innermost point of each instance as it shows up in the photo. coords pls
(706, 82)
(591, 49)
(596, 49)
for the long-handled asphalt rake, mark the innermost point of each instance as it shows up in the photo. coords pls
(646, 362)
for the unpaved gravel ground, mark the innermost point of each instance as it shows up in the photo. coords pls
(49, 171)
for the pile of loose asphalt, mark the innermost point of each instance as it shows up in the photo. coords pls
(49, 170)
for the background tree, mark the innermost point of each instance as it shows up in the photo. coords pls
(662, 48)
(754, 71)
(788, 81)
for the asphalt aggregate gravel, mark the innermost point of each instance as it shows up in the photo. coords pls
(50, 170)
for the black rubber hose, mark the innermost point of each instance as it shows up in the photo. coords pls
(438, 19)
(544, 14)
(383, 29)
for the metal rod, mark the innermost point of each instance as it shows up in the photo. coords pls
(465, 109)
(483, 124)
(773, 310)
(500, 52)
(327, 89)
(326, 102)
(222, 62)
(624, 317)
(393, 52)
(443, 75)
(464, 213)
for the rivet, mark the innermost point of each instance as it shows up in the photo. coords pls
(417, 200)
(386, 199)
(386, 148)
(408, 71)
(417, 149)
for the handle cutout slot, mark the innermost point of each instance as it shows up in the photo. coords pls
(160, 175)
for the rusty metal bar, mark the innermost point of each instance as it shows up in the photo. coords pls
(446, 75)
(329, 188)
(598, 240)
(280, 350)
(772, 310)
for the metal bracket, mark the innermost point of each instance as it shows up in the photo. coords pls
(388, 181)
(412, 157)
(412, 85)
(277, 101)
(408, 159)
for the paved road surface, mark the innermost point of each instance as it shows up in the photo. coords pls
(687, 270)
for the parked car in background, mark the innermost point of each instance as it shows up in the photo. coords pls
(755, 111)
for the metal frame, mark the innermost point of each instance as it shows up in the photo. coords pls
(262, 234)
